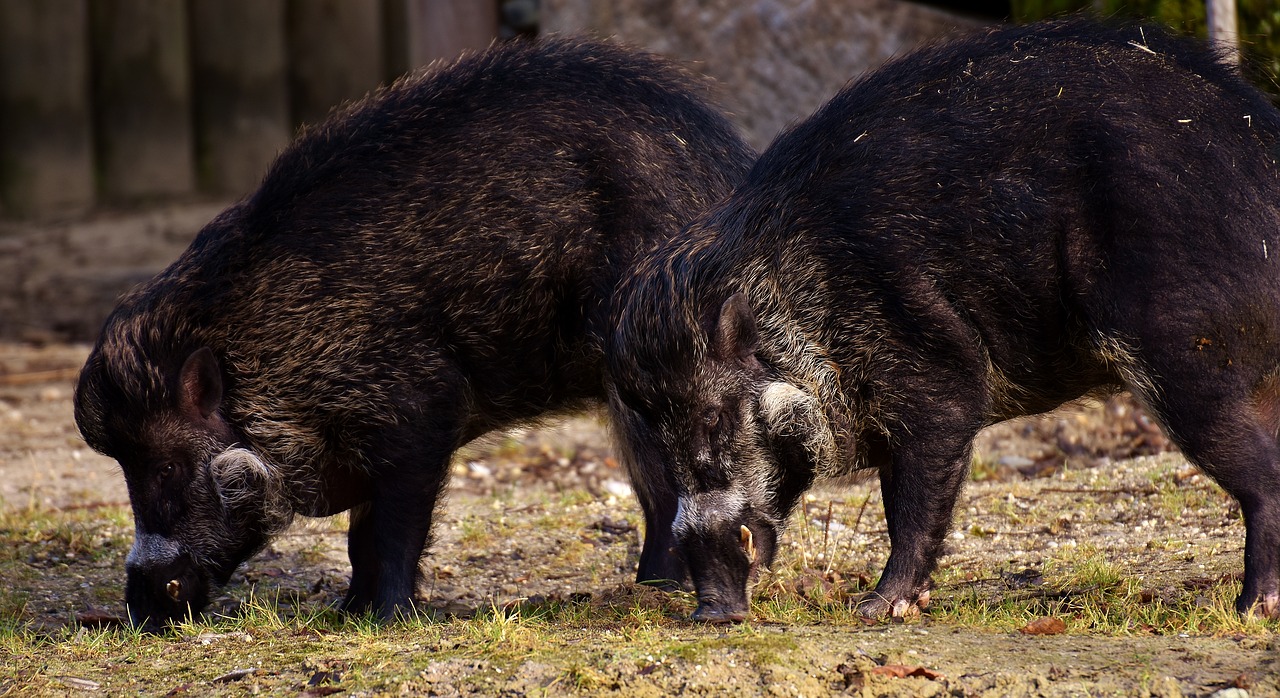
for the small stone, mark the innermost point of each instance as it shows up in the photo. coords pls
(1015, 461)
(617, 488)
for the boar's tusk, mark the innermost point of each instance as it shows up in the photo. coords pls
(173, 589)
(748, 543)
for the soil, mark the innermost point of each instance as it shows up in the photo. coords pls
(544, 515)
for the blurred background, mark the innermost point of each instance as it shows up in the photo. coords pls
(125, 125)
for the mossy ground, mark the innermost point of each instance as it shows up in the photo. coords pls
(527, 590)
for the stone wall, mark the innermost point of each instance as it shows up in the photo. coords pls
(776, 60)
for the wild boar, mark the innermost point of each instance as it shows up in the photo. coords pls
(980, 230)
(429, 264)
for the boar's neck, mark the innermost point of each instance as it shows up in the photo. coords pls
(341, 490)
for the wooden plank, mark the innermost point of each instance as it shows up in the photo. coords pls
(142, 99)
(335, 54)
(46, 154)
(240, 90)
(1223, 28)
(421, 31)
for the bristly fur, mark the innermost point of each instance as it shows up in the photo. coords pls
(982, 229)
(430, 263)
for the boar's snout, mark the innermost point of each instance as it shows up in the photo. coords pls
(162, 584)
(716, 609)
(723, 563)
(722, 590)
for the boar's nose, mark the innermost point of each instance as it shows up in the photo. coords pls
(151, 551)
(162, 583)
(717, 610)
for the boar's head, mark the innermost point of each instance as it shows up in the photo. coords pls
(201, 504)
(737, 443)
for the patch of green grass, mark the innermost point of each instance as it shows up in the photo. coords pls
(94, 535)
(1082, 584)
(1081, 566)
(573, 498)
(983, 468)
(504, 633)
(583, 644)
(1092, 594)
(475, 532)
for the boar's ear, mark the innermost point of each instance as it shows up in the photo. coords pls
(200, 384)
(736, 335)
(797, 427)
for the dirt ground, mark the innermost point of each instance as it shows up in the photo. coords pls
(545, 515)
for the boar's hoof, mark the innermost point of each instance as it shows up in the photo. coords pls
(1268, 606)
(876, 607)
(706, 613)
(174, 589)
(905, 609)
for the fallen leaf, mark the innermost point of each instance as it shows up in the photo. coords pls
(852, 676)
(179, 690)
(1044, 626)
(235, 675)
(99, 619)
(612, 527)
(78, 683)
(322, 677)
(902, 671)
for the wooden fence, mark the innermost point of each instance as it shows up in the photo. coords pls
(128, 101)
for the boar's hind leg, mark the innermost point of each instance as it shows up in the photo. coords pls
(1225, 437)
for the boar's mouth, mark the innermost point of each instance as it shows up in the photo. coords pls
(724, 568)
(168, 593)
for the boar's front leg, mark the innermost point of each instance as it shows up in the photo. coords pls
(390, 533)
(659, 566)
(920, 485)
(362, 551)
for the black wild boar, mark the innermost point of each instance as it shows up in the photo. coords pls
(981, 230)
(429, 264)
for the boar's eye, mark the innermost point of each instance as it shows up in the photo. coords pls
(167, 470)
(711, 419)
(712, 423)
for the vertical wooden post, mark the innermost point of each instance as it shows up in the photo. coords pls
(46, 155)
(241, 90)
(421, 31)
(1222, 28)
(142, 98)
(335, 54)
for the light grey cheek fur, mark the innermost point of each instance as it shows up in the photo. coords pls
(790, 413)
(150, 549)
(705, 511)
(251, 489)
